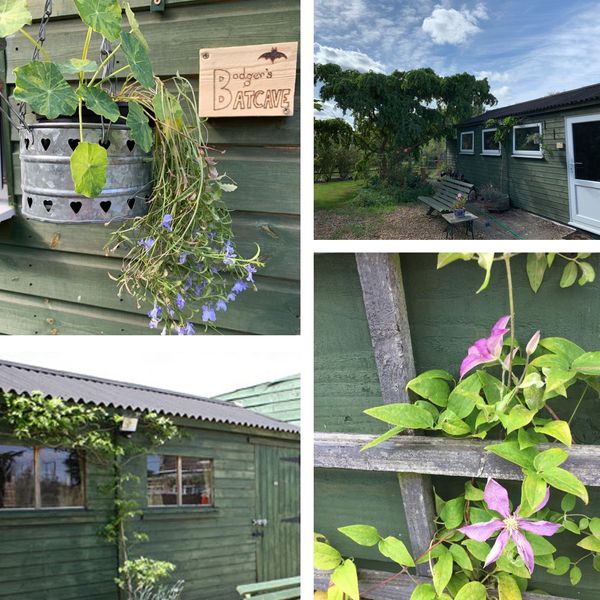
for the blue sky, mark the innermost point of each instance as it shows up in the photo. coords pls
(526, 48)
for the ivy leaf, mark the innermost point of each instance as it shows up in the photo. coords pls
(442, 572)
(404, 415)
(485, 261)
(14, 14)
(76, 65)
(103, 16)
(559, 430)
(508, 588)
(563, 480)
(99, 102)
(346, 578)
(536, 267)
(137, 121)
(365, 535)
(326, 557)
(395, 549)
(88, 169)
(43, 87)
(138, 59)
(590, 542)
(472, 591)
(588, 363)
(569, 275)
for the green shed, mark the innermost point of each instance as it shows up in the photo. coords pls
(54, 278)
(550, 163)
(279, 399)
(445, 316)
(232, 519)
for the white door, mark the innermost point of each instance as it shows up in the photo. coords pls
(583, 167)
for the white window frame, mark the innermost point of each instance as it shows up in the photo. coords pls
(460, 148)
(528, 153)
(6, 210)
(485, 152)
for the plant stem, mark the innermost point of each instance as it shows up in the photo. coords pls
(116, 48)
(35, 43)
(585, 389)
(84, 54)
(112, 75)
(511, 303)
(81, 119)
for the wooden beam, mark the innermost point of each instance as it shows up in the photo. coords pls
(399, 588)
(385, 306)
(438, 456)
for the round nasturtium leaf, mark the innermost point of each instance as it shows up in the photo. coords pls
(99, 102)
(76, 65)
(137, 121)
(103, 16)
(13, 15)
(43, 87)
(138, 59)
(88, 169)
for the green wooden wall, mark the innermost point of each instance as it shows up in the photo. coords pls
(58, 555)
(277, 399)
(537, 185)
(53, 278)
(446, 316)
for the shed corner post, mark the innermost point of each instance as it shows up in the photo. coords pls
(385, 306)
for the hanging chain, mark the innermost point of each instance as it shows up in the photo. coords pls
(105, 49)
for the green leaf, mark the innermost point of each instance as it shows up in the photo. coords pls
(569, 275)
(583, 523)
(541, 546)
(588, 363)
(395, 549)
(556, 380)
(326, 557)
(442, 572)
(334, 593)
(508, 588)
(404, 415)
(575, 575)
(561, 565)
(552, 361)
(559, 430)
(227, 187)
(382, 438)
(365, 535)
(595, 526)
(455, 426)
(472, 493)
(533, 492)
(76, 65)
(461, 558)
(587, 273)
(135, 28)
(424, 591)
(528, 438)
(137, 121)
(567, 504)
(346, 578)
(550, 458)
(479, 550)
(510, 451)
(103, 16)
(565, 481)
(518, 417)
(464, 396)
(432, 386)
(571, 526)
(453, 513)
(14, 14)
(591, 542)
(485, 261)
(536, 267)
(138, 59)
(99, 102)
(43, 87)
(492, 387)
(88, 169)
(445, 258)
(472, 591)
(550, 258)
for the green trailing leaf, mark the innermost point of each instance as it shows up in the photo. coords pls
(591, 542)
(485, 261)
(138, 59)
(43, 87)
(14, 14)
(561, 565)
(88, 169)
(559, 430)
(461, 558)
(512, 452)
(442, 572)
(536, 267)
(395, 549)
(382, 438)
(99, 102)
(141, 132)
(453, 513)
(569, 275)
(567, 504)
(472, 591)
(423, 591)
(587, 363)
(550, 458)
(564, 480)
(76, 65)
(346, 578)
(365, 535)
(133, 23)
(575, 575)
(325, 557)
(508, 589)
(404, 415)
(103, 16)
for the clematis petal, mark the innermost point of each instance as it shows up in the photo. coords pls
(544, 501)
(524, 548)
(532, 344)
(496, 498)
(497, 548)
(482, 531)
(469, 363)
(499, 327)
(545, 528)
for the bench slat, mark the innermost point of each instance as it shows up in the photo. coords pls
(269, 586)
(433, 203)
(455, 183)
(280, 595)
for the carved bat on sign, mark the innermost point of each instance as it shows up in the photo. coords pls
(273, 55)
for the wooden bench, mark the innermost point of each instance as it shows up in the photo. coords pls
(277, 589)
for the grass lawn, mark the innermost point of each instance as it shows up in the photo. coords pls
(335, 194)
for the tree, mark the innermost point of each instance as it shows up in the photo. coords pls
(330, 135)
(394, 115)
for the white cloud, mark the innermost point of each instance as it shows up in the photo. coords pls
(451, 26)
(493, 76)
(348, 59)
(330, 110)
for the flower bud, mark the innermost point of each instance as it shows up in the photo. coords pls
(532, 344)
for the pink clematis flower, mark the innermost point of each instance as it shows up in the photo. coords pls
(486, 349)
(510, 526)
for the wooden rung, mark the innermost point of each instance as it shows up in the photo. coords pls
(274, 584)
(438, 456)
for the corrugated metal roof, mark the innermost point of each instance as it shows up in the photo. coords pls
(584, 94)
(24, 379)
(279, 399)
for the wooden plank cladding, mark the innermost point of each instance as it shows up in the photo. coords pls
(438, 456)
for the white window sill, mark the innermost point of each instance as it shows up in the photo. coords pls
(6, 211)
(538, 156)
(491, 154)
(465, 152)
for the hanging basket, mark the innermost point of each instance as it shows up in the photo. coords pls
(47, 185)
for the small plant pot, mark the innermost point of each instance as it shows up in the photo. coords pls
(47, 185)
(499, 203)
(459, 212)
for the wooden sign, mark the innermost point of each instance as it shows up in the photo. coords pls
(248, 81)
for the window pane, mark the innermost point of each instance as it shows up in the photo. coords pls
(527, 139)
(61, 475)
(489, 143)
(16, 477)
(162, 480)
(196, 479)
(467, 141)
(586, 139)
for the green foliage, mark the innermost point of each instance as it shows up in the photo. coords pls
(99, 102)
(77, 65)
(139, 62)
(137, 121)
(143, 572)
(14, 14)
(88, 169)
(103, 16)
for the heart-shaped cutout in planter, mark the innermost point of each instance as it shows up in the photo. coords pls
(105, 144)
(48, 205)
(73, 143)
(131, 203)
(105, 205)
(46, 143)
(29, 201)
(27, 142)
(76, 207)
(130, 145)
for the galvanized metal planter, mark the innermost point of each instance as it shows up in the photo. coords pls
(47, 186)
